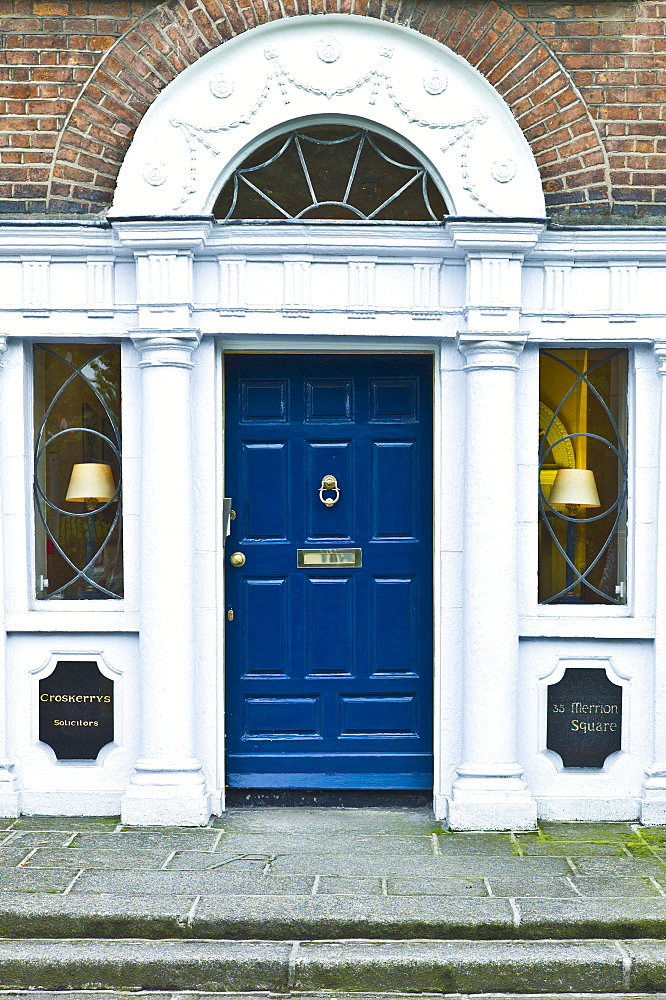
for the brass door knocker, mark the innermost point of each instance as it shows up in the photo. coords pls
(329, 484)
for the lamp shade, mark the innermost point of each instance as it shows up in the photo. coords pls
(91, 481)
(574, 486)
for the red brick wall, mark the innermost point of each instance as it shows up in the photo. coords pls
(585, 81)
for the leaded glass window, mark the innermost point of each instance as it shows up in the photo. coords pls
(77, 472)
(336, 172)
(583, 476)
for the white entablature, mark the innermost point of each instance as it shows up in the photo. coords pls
(333, 68)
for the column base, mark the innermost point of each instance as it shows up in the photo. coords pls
(10, 806)
(164, 810)
(166, 793)
(490, 798)
(653, 804)
(10, 800)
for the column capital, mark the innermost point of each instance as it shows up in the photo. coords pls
(166, 349)
(484, 350)
(493, 236)
(659, 348)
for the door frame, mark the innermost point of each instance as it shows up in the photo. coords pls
(445, 745)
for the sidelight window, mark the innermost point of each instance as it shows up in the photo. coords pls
(77, 472)
(583, 477)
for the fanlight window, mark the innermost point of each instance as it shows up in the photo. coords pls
(77, 484)
(331, 172)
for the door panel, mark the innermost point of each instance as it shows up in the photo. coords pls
(329, 667)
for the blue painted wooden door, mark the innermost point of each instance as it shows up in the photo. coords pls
(329, 668)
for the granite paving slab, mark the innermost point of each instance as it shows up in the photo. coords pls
(83, 857)
(620, 886)
(27, 839)
(614, 868)
(337, 885)
(166, 839)
(162, 883)
(271, 820)
(340, 843)
(583, 831)
(498, 845)
(573, 848)
(436, 887)
(528, 885)
(25, 880)
(207, 861)
(465, 866)
(71, 823)
(10, 857)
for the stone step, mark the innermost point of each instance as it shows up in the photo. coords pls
(306, 995)
(296, 917)
(330, 967)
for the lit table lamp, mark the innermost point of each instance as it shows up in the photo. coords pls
(573, 489)
(90, 483)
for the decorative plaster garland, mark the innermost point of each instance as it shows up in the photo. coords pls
(328, 51)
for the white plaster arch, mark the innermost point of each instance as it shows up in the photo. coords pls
(334, 67)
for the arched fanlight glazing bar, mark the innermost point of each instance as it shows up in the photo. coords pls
(291, 180)
(586, 578)
(78, 464)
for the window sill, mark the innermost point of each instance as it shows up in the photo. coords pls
(70, 616)
(593, 624)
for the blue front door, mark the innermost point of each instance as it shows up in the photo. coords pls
(329, 619)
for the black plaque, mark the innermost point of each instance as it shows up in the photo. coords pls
(584, 717)
(76, 710)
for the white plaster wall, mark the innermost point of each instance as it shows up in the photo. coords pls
(47, 786)
(449, 468)
(208, 550)
(578, 794)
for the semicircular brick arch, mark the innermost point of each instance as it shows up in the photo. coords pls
(550, 112)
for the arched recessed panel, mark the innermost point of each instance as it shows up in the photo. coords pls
(338, 70)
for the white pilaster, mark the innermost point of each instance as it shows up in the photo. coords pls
(362, 287)
(623, 293)
(9, 797)
(653, 807)
(36, 286)
(297, 291)
(168, 787)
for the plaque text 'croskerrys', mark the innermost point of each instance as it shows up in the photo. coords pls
(76, 710)
(584, 717)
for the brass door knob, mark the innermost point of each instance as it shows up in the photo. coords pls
(237, 559)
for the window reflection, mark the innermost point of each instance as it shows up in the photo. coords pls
(583, 477)
(78, 543)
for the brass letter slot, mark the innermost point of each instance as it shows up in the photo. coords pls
(331, 558)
